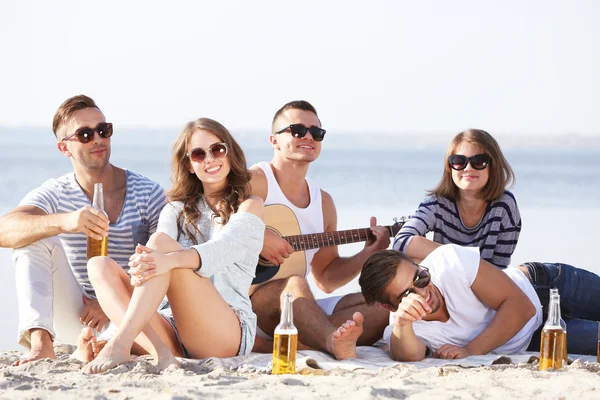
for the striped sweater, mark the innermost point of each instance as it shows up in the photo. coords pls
(144, 200)
(496, 234)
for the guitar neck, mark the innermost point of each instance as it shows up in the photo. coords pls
(326, 239)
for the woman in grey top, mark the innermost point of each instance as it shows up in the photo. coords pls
(203, 257)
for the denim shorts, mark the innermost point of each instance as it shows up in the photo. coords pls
(246, 344)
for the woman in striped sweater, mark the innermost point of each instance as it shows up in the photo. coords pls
(470, 206)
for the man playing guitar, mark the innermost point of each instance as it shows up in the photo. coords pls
(336, 324)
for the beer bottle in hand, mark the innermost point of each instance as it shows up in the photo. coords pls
(97, 247)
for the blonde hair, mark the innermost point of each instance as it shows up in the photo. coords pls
(188, 189)
(501, 175)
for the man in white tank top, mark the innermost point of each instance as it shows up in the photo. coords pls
(335, 325)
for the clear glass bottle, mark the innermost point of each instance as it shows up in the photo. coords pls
(285, 341)
(97, 247)
(553, 342)
(563, 324)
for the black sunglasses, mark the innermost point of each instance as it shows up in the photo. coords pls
(86, 134)
(216, 150)
(459, 162)
(299, 131)
(421, 280)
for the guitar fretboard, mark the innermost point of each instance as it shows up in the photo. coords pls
(326, 239)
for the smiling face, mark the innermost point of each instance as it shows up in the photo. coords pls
(212, 172)
(469, 179)
(296, 149)
(404, 279)
(94, 155)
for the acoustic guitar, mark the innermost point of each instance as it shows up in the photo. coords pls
(282, 221)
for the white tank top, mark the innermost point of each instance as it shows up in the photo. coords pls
(310, 218)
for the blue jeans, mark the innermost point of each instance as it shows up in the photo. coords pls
(579, 303)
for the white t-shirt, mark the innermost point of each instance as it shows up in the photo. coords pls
(453, 270)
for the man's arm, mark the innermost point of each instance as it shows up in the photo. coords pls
(329, 269)
(513, 308)
(258, 182)
(420, 247)
(275, 249)
(404, 344)
(27, 224)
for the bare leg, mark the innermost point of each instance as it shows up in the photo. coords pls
(314, 328)
(134, 313)
(376, 318)
(41, 347)
(207, 325)
(133, 321)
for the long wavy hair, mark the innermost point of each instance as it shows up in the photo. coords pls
(188, 189)
(501, 175)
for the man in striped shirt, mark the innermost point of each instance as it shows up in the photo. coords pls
(50, 227)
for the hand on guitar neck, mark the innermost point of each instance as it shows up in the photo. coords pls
(283, 250)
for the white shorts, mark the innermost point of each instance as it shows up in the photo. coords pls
(327, 304)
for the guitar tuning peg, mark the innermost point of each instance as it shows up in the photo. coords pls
(401, 220)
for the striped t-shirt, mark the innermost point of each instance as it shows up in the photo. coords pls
(144, 199)
(496, 234)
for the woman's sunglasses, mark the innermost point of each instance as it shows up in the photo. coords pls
(459, 162)
(216, 150)
(421, 280)
(86, 134)
(299, 131)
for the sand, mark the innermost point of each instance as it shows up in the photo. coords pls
(62, 379)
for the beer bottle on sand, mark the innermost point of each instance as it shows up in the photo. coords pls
(285, 342)
(554, 338)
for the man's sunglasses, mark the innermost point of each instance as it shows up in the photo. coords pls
(459, 162)
(421, 280)
(86, 134)
(216, 150)
(299, 131)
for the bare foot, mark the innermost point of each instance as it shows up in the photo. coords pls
(86, 341)
(110, 356)
(41, 347)
(88, 346)
(166, 360)
(343, 340)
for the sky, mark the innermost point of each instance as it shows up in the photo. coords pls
(510, 67)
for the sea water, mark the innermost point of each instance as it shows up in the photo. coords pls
(557, 188)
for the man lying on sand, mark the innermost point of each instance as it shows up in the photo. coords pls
(455, 305)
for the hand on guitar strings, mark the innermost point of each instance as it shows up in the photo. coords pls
(275, 249)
